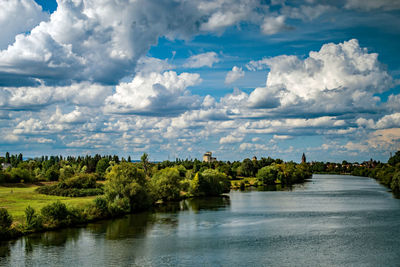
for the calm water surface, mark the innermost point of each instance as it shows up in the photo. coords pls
(332, 220)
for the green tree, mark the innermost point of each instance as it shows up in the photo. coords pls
(394, 159)
(166, 184)
(395, 184)
(247, 168)
(209, 183)
(126, 188)
(66, 172)
(145, 163)
(102, 166)
(268, 174)
(19, 174)
(52, 173)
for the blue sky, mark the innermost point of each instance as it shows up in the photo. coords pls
(178, 78)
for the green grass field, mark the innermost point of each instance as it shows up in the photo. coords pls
(16, 198)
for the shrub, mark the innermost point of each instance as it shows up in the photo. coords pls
(66, 172)
(75, 215)
(80, 185)
(16, 175)
(56, 190)
(80, 181)
(242, 185)
(33, 220)
(101, 205)
(5, 220)
(4, 177)
(119, 206)
(52, 173)
(55, 212)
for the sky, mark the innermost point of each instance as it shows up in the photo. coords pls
(177, 78)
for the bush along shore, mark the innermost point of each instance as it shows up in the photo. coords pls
(120, 187)
(387, 174)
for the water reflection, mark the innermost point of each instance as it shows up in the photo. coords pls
(195, 204)
(51, 238)
(130, 226)
(135, 225)
(5, 248)
(331, 221)
(277, 187)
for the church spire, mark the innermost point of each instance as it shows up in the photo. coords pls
(303, 158)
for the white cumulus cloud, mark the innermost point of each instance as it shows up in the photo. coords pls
(339, 78)
(273, 25)
(233, 75)
(229, 139)
(18, 16)
(368, 5)
(202, 60)
(155, 94)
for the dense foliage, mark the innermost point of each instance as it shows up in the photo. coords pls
(79, 185)
(166, 184)
(209, 183)
(284, 173)
(126, 188)
(5, 220)
(387, 174)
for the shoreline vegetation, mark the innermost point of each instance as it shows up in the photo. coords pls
(49, 193)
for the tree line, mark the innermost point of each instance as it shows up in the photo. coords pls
(128, 186)
(387, 174)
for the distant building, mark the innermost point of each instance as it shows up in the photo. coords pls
(303, 159)
(369, 164)
(254, 158)
(207, 157)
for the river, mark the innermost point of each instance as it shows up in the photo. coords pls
(332, 220)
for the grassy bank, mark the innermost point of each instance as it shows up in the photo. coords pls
(16, 197)
(249, 181)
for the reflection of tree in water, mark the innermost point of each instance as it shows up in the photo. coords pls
(137, 225)
(51, 238)
(5, 250)
(209, 203)
(194, 204)
(277, 187)
(134, 225)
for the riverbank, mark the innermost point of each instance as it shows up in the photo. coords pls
(129, 187)
(79, 210)
(333, 220)
(16, 197)
(64, 211)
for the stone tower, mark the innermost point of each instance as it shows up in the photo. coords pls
(303, 158)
